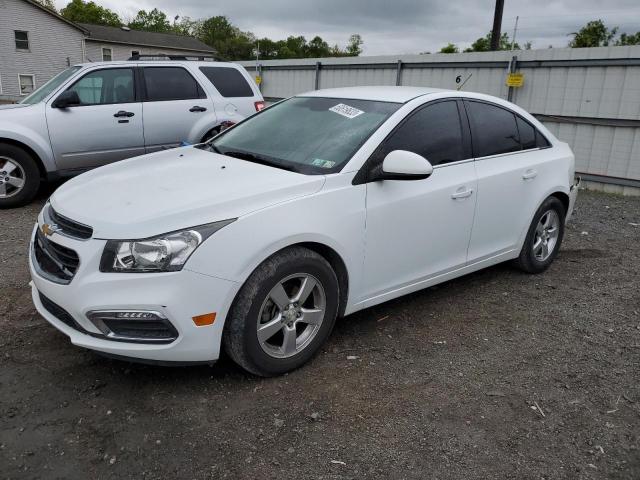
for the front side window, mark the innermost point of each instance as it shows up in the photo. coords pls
(313, 135)
(112, 85)
(170, 83)
(22, 39)
(228, 81)
(434, 131)
(494, 130)
(44, 91)
(107, 54)
(27, 84)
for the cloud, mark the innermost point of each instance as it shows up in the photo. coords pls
(399, 26)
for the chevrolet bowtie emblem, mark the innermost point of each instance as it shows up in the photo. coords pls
(49, 230)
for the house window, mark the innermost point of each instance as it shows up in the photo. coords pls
(22, 39)
(135, 53)
(27, 84)
(107, 54)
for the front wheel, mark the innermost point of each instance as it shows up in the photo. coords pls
(283, 313)
(543, 238)
(19, 176)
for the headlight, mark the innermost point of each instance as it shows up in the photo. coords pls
(164, 253)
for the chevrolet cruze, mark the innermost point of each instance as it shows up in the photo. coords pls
(317, 207)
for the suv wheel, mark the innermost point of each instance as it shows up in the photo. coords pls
(283, 313)
(19, 176)
(543, 238)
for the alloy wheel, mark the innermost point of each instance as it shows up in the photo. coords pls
(546, 236)
(12, 177)
(291, 315)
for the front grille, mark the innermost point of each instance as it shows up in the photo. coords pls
(60, 313)
(57, 263)
(69, 227)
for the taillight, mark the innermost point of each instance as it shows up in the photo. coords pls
(259, 106)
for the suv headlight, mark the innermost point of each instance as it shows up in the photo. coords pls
(164, 253)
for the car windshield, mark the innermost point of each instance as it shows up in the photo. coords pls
(50, 86)
(312, 135)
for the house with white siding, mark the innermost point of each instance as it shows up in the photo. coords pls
(37, 43)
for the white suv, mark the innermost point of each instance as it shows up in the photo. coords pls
(97, 113)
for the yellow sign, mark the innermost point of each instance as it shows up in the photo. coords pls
(515, 79)
(258, 79)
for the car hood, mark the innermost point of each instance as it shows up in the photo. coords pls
(11, 106)
(174, 189)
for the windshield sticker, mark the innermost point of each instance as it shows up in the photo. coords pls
(346, 110)
(318, 162)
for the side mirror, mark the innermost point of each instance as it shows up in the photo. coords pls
(404, 165)
(66, 99)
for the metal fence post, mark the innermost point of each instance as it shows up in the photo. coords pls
(317, 82)
(512, 69)
(399, 73)
(261, 77)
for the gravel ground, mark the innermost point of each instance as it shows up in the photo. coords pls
(495, 375)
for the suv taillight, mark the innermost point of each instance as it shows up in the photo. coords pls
(259, 106)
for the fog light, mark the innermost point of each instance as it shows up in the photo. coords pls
(135, 326)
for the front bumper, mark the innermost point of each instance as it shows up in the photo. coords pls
(178, 296)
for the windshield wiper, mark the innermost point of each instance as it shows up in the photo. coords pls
(252, 157)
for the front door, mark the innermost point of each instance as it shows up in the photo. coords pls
(104, 128)
(417, 229)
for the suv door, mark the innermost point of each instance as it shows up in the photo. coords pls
(105, 127)
(176, 108)
(512, 171)
(418, 229)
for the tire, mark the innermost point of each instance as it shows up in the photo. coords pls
(543, 238)
(254, 307)
(210, 134)
(17, 165)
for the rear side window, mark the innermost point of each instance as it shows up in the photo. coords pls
(170, 83)
(228, 81)
(435, 132)
(494, 129)
(527, 134)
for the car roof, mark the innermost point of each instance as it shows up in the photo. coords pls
(199, 63)
(377, 93)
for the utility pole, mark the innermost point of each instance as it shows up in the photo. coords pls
(515, 31)
(497, 25)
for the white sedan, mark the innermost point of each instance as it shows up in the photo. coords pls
(321, 205)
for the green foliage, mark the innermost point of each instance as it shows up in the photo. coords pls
(354, 47)
(450, 48)
(628, 39)
(483, 44)
(593, 34)
(228, 40)
(89, 12)
(152, 21)
(48, 4)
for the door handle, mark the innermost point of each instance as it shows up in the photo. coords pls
(460, 194)
(197, 108)
(530, 174)
(122, 113)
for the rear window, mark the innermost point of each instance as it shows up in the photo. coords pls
(228, 81)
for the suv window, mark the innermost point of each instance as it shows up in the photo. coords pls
(170, 83)
(228, 81)
(434, 131)
(494, 129)
(113, 85)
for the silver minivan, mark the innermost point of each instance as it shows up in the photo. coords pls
(97, 113)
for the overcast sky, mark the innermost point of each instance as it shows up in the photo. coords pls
(399, 26)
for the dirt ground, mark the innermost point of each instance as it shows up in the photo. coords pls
(492, 376)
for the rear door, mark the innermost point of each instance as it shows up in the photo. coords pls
(105, 127)
(237, 96)
(513, 171)
(176, 107)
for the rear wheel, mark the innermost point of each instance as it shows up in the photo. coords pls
(543, 238)
(283, 314)
(19, 176)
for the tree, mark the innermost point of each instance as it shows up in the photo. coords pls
(450, 48)
(628, 39)
(317, 48)
(88, 12)
(228, 40)
(153, 21)
(483, 44)
(593, 34)
(47, 4)
(186, 26)
(354, 46)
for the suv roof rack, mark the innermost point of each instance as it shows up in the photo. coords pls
(164, 56)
